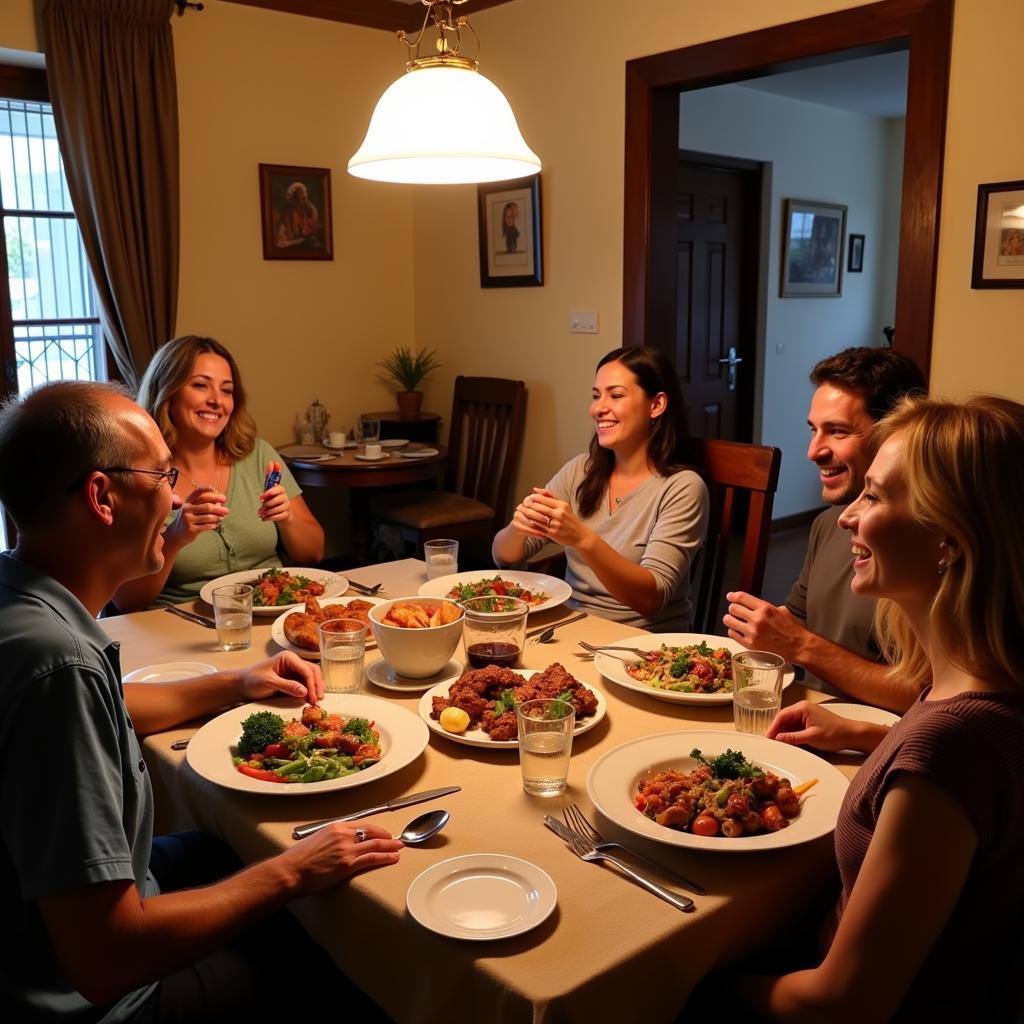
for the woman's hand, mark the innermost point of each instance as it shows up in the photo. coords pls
(286, 673)
(275, 505)
(201, 511)
(554, 519)
(813, 725)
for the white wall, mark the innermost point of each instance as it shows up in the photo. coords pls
(816, 153)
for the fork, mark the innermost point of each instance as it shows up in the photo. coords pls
(626, 650)
(577, 821)
(362, 588)
(585, 850)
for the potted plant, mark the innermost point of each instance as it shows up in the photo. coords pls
(409, 370)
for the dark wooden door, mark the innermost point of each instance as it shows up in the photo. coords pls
(713, 344)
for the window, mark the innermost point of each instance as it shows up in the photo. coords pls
(52, 323)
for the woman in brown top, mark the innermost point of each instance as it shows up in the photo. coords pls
(930, 838)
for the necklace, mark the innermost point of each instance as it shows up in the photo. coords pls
(195, 483)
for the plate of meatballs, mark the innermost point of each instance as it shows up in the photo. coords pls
(488, 695)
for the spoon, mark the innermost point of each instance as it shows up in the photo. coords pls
(420, 829)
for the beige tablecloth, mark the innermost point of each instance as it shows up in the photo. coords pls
(610, 950)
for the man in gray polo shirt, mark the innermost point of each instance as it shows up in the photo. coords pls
(87, 478)
(823, 625)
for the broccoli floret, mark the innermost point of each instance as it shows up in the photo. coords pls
(703, 649)
(360, 727)
(730, 765)
(680, 666)
(259, 730)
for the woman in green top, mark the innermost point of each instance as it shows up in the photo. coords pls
(227, 521)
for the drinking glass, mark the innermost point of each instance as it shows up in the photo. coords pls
(442, 557)
(232, 611)
(342, 649)
(494, 630)
(545, 743)
(367, 430)
(756, 690)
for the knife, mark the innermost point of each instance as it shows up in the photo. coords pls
(203, 620)
(301, 831)
(683, 903)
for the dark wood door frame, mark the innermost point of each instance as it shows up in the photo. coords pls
(653, 85)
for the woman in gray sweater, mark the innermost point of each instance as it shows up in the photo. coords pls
(630, 516)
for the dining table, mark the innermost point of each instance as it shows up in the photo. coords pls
(609, 951)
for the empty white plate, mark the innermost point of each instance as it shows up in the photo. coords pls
(419, 453)
(395, 442)
(482, 896)
(169, 672)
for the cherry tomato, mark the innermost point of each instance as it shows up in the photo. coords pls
(705, 825)
(277, 750)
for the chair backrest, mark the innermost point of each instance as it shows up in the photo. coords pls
(485, 439)
(731, 469)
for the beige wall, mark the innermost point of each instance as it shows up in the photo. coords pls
(565, 84)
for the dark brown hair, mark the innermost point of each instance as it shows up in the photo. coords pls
(879, 375)
(171, 369)
(656, 375)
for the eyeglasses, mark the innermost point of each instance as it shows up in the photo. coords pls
(170, 475)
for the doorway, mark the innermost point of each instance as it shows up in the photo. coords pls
(653, 85)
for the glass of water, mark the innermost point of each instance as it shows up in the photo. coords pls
(232, 611)
(367, 430)
(342, 649)
(545, 743)
(756, 690)
(442, 557)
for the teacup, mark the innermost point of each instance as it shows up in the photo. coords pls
(336, 438)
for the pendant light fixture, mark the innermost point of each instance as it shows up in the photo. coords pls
(442, 122)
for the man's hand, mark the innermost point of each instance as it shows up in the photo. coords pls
(335, 853)
(763, 626)
(285, 673)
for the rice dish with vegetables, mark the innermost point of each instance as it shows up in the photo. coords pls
(723, 796)
(694, 668)
(495, 586)
(318, 748)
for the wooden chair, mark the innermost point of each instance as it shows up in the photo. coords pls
(484, 443)
(731, 469)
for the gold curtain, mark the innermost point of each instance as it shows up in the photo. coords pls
(110, 65)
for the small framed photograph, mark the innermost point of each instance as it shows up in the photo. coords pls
(510, 242)
(295, 211)
(812, 254)
(855, 258)
(999, 236)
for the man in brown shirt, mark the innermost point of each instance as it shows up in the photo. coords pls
(824, 626)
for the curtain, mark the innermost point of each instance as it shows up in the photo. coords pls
(110, 65)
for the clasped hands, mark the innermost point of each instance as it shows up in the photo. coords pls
(540, 514)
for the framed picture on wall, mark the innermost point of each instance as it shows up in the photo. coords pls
(295, 212)
(510, 242)
(999, 236)
(812, 251)
(855, 259)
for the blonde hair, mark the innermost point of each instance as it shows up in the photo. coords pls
(171, 369)
(963, 472)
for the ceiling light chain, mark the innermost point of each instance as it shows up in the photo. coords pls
(446, 25)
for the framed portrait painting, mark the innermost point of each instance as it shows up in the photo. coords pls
(510, 241)
(999, 236)
(295, 212)
(812, 253)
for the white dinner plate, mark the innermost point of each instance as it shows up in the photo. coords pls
(558, 591)
(478, 738)
(334, 585)
(612, 784)
(381, 674)
(419, 453)
(278, 635)
(402, 739)
(861, 713)
(613, 666)
(169, 672)
(395, 442)
(482, 896)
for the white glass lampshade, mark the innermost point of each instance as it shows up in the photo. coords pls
(443, 125)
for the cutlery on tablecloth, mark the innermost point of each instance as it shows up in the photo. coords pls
(580, 823)
(301, 831)
(634, 651)
(545, 633)
(362, 588)
(585, 850)
(202, 620)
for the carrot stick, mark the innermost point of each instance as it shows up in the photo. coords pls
(804, 786)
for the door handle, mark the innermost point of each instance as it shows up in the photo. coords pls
(732, 361)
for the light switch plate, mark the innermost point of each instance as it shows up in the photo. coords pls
(583, 321)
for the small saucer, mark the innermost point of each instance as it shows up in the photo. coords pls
(381, 674)
(373, 458)
(339, 447)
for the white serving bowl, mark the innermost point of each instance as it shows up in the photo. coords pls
(415, 653)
